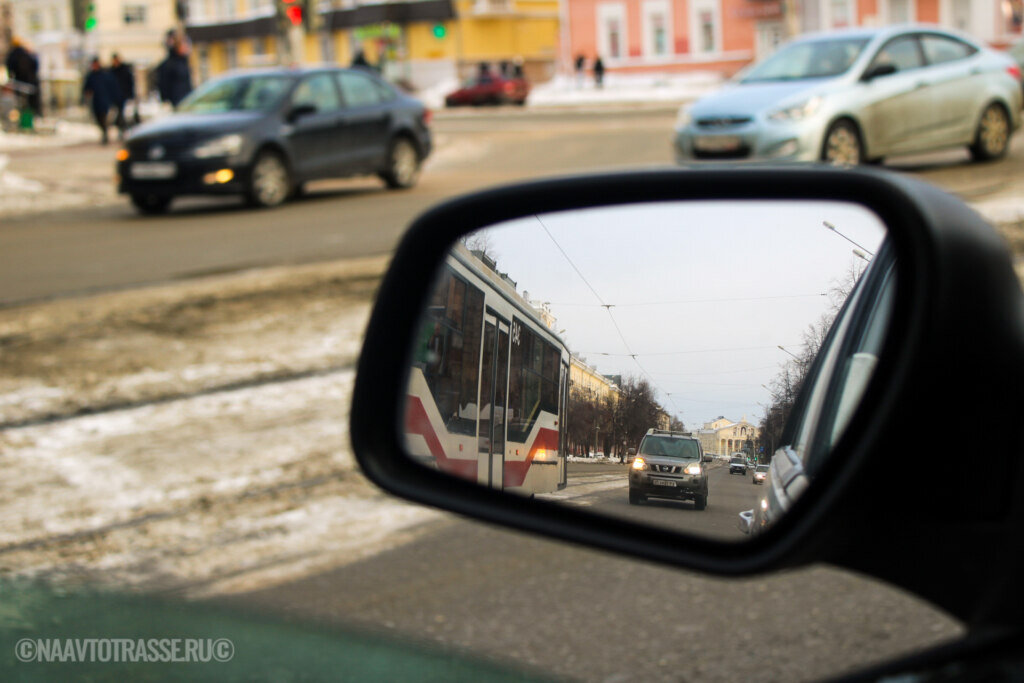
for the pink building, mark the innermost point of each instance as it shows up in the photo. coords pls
(725, 35)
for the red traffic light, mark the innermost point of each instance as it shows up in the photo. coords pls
(294, 14)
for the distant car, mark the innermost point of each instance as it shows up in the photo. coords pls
(737, 465)
(262, 134)
(490, 89)
(860, 95)
(669, 465)
(760, 474)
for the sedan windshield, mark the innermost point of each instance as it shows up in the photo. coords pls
(243, 93)
(816, 59)
(669, 447)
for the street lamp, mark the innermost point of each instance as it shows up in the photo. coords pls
(783, 348)
(861, 255)
(833, 229)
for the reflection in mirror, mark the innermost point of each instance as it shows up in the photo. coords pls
(633, 360)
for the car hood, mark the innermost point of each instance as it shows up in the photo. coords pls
(197, 125)
(750, 99)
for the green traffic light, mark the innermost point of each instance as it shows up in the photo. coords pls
(90, 23)
(440, 31)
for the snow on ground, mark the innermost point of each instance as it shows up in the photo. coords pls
(195, 488)
(50, 133)
(563, 91)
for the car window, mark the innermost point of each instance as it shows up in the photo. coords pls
(358, 90)
(814, 59)
(940, 49)
(903, 53)
(237, 94)
(669, 447)
(317, 91)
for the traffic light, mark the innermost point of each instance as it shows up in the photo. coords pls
(291, 10)
(312, 18)
(84, 14)
(439, 31)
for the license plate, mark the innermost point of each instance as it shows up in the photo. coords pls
(153, 170)
(717, 143)
(662, 482)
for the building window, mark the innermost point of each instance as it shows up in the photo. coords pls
(231, 54)
(900, 12)
(35, 21)
(225, 9)
(961, 15)
(705, 22)
(611, 22)
(134, 14)
(840, 13)
(657, 27)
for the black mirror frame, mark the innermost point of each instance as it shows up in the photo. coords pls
(878, 71)
(937, 240)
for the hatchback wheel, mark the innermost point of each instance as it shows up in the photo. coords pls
(270, 182)
(992, 138)
(403, 164)
(151, 204)
(842, 146)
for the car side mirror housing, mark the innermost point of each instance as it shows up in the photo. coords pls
(879, 70)
(707, 458)
(949, 291)
(299, 111)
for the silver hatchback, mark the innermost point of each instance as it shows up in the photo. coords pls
(859, 95)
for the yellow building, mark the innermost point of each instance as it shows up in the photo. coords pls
(724, 437)
(419, 42)
(590, 384)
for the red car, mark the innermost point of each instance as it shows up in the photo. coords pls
(490, 89)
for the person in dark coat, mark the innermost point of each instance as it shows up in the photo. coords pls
(580, 65)
(101, 91)
(125, 77)
(599, 72)
(174, 75)
(23, 66)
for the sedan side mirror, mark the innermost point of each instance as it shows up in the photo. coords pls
(879, 70)
(297, 112)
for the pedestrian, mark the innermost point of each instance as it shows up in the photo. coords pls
(174, 75)
(100, 89)
(360, 61)
(124, 75)
(580, 66)
(23, 67)
(599, 73)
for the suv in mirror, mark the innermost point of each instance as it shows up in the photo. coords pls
(669, 465)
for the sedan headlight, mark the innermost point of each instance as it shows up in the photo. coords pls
(693, 469)
(224, 146)
(798, 111)
(684, 117)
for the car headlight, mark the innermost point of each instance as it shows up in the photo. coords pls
(684, 117)
(224, 146)
(693, 469)
(798, 111)
(639, 464)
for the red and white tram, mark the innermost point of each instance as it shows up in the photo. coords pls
(487, 390)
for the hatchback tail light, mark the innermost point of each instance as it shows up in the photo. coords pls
(1014, 71)
(428, 116)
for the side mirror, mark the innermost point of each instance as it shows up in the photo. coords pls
(464, 400)
(631, 452)
(297, 112)
(879, 70)
(707, 458)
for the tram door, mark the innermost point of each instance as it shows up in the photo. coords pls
(563, 393)
(493, 399)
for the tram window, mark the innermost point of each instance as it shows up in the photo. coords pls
(449, 353)
(533, 382)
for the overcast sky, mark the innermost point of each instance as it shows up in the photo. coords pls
(702, 292)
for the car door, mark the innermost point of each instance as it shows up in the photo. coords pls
(956, 88)
(365, 121)
(313, 114)
(895, 110)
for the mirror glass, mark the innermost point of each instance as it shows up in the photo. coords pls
(641, 361)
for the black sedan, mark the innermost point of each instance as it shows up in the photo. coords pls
(262, 134)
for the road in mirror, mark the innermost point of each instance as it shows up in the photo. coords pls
(635, 361)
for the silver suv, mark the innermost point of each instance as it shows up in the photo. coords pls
(669, 465)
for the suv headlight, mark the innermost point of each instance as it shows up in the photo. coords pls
(693, 469)
(224, 146)
(684, 117)
(639, 464)
(798, 111)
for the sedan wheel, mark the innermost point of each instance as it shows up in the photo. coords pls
(403, 164)
(842, 145)
(270, 183)
(993, 136)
